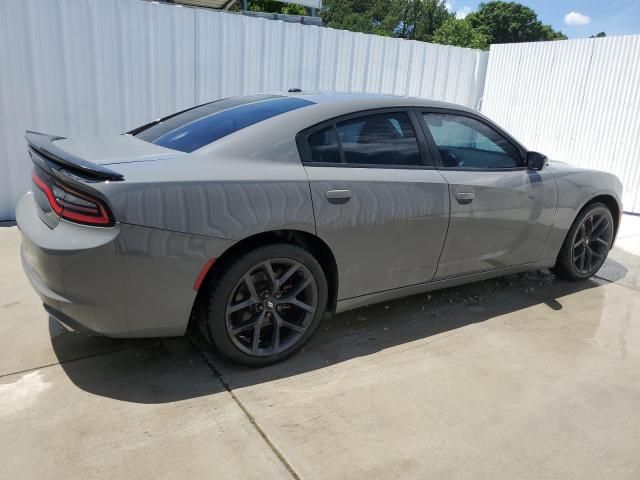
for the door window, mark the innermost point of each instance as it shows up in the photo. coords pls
(464, 142)
(385, 139)
(323, 146)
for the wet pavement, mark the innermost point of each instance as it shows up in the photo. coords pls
(523, 376)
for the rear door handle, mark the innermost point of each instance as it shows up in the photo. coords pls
(465, 198)
(338, 196)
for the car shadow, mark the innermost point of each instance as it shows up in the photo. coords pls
(167, 370)
(368, 330)
(148, 371)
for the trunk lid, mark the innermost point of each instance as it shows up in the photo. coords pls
(112, 150)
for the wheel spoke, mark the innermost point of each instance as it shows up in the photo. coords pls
(242, 305)
(252, 288)
(255, 344)
(300, 288)
(302, 305)
(292, 326)
(582, 258)
(272, 275)
(601, 241)
(597, 223)
(287, 275)
(595, 253)
(579, 243)
(248, 325)
(275, 336)
(601, 231)
(589, 257)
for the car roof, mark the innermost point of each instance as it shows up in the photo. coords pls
(363, 101)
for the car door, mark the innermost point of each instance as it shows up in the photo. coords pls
(501, 212)
(379, 203)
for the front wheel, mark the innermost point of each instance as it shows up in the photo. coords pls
(587, 244)
(267, 304)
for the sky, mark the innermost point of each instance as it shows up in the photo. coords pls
(576, 18)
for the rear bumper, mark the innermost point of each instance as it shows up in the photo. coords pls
(122, 281)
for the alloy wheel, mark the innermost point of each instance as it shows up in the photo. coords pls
(591, 243)
(271, 307)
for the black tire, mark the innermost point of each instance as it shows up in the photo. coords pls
(231, 283)
(568, 263)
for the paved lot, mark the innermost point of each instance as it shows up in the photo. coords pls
(521, 377)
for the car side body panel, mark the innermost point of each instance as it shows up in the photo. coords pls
(389, 233)
(506, 223)
(220, 197)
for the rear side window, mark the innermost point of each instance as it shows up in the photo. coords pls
(386, 139)
(323, 145)
(200, 126)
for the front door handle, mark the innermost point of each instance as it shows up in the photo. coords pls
(338, 196)
(464, 198)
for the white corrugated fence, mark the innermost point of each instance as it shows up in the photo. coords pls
(576, 101)
(71, 67)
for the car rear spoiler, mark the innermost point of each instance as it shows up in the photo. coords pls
(46, 151)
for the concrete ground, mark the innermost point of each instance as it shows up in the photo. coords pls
(521, 377)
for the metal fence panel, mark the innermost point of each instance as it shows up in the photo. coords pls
(71, 68)
(576, 101)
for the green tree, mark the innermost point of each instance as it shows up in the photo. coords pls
(411, 19)
(598, 35)
(511, 22)
(417, 19)
(366, 16)
(273, 6)
(460, 33)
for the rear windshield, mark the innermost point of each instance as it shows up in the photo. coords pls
(194, 128)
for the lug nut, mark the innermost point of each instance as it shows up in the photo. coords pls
(278, 295)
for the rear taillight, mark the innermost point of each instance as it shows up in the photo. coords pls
(72, 205)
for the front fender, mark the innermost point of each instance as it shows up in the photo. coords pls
(576, 188)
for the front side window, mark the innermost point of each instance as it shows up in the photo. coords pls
(464, 142)
(385, 139)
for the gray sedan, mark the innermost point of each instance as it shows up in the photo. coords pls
(253, 217)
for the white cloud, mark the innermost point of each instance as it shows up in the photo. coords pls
(463, 12)
(576, 18)
(449, 5)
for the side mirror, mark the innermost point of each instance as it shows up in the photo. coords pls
(536, 161)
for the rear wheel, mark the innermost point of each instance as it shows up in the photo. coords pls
(267, 304)
(587, 244)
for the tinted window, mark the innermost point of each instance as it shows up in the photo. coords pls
(200, 126)
(378, 139)
(323, 145)
(468, 143)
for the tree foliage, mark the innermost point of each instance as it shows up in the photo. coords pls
(461, 33)
(511, 22)
(599, 35)
(273, 6)
(411, 19)
(428, 20)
